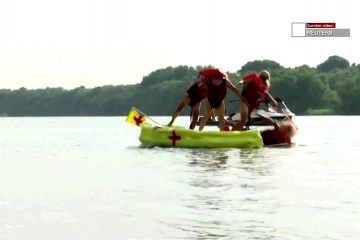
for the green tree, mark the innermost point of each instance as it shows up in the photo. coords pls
(256, 66)
(331, 88)
(332, 63)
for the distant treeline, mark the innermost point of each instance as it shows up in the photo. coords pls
(333, 87)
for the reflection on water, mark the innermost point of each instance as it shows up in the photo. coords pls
(228, 187)
(209, 159)
(256, 161)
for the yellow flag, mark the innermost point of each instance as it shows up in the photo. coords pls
(135, 117)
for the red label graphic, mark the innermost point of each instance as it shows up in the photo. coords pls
(320, 25)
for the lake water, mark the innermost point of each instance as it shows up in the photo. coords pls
(87, 178)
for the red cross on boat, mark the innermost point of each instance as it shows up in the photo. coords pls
(174, 137)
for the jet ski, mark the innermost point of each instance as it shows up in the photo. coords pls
(279, 112)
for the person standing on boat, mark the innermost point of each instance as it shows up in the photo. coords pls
(196, 93)
(256, 86)
(192, 98)
(217, 86)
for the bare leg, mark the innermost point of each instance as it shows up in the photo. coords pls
(184, 102)
(207, 115)
(213, 116)
(244, 115)
(195, 115)
(220, 112)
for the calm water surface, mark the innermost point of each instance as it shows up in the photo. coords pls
(88, 178)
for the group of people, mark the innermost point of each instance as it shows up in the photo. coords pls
(212, 84)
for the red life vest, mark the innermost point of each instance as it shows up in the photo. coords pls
(216, 93)
(212, 73)
(199, 90)
(256, 80)
(274, 136)
(254, 90)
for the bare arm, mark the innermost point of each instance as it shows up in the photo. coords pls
(268, 119)
(232, 88)
(270, 98)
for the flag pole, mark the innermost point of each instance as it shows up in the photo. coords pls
(147, 116)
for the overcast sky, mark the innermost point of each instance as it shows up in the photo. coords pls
(69, 43)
